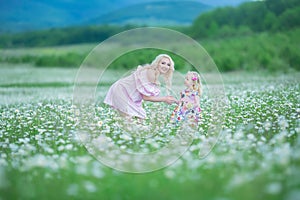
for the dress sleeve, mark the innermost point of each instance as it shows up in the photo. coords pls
(143, 85)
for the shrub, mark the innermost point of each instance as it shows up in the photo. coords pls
(66, 60)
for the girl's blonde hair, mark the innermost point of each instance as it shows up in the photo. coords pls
(195, 77)
(167, 76)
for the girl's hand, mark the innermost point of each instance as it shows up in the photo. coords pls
(170, 100)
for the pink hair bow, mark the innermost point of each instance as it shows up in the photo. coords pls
(195, 78)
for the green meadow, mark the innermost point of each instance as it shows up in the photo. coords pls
(42, 156)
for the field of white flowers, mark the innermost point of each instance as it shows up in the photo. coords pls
(42, 155)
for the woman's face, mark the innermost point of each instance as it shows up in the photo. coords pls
(164, 65)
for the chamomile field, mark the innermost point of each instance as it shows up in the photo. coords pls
(43, 154)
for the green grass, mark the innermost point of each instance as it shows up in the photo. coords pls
(41, 157)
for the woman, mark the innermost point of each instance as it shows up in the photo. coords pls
(127, 94)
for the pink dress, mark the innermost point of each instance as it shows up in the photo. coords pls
(125, 95)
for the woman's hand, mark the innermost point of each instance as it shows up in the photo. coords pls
(166, 99)
(170, 100)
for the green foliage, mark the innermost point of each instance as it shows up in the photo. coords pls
(265, 51)
(251, 52)
(290, 18)
(52, 37)
(259, 16)
(18, 59)
(67, 60)
(144, 56)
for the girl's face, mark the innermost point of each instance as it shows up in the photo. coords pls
(188, 81)
(164, 65)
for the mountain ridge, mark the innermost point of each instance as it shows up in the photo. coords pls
(156, 13)
(28, 15)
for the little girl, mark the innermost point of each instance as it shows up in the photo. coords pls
(188, 108)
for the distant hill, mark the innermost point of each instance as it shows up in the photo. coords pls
(155, 13)
(26, 15)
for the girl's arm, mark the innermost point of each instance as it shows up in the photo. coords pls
(166, 99)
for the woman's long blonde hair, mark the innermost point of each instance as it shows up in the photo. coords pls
(167, 76)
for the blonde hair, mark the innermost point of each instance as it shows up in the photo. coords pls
(167, 76)
(195, 78)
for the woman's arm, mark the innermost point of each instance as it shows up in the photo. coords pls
(166, 99)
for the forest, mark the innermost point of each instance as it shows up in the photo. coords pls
(248, 18)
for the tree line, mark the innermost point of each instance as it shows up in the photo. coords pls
(61, 36)
(248, 18)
